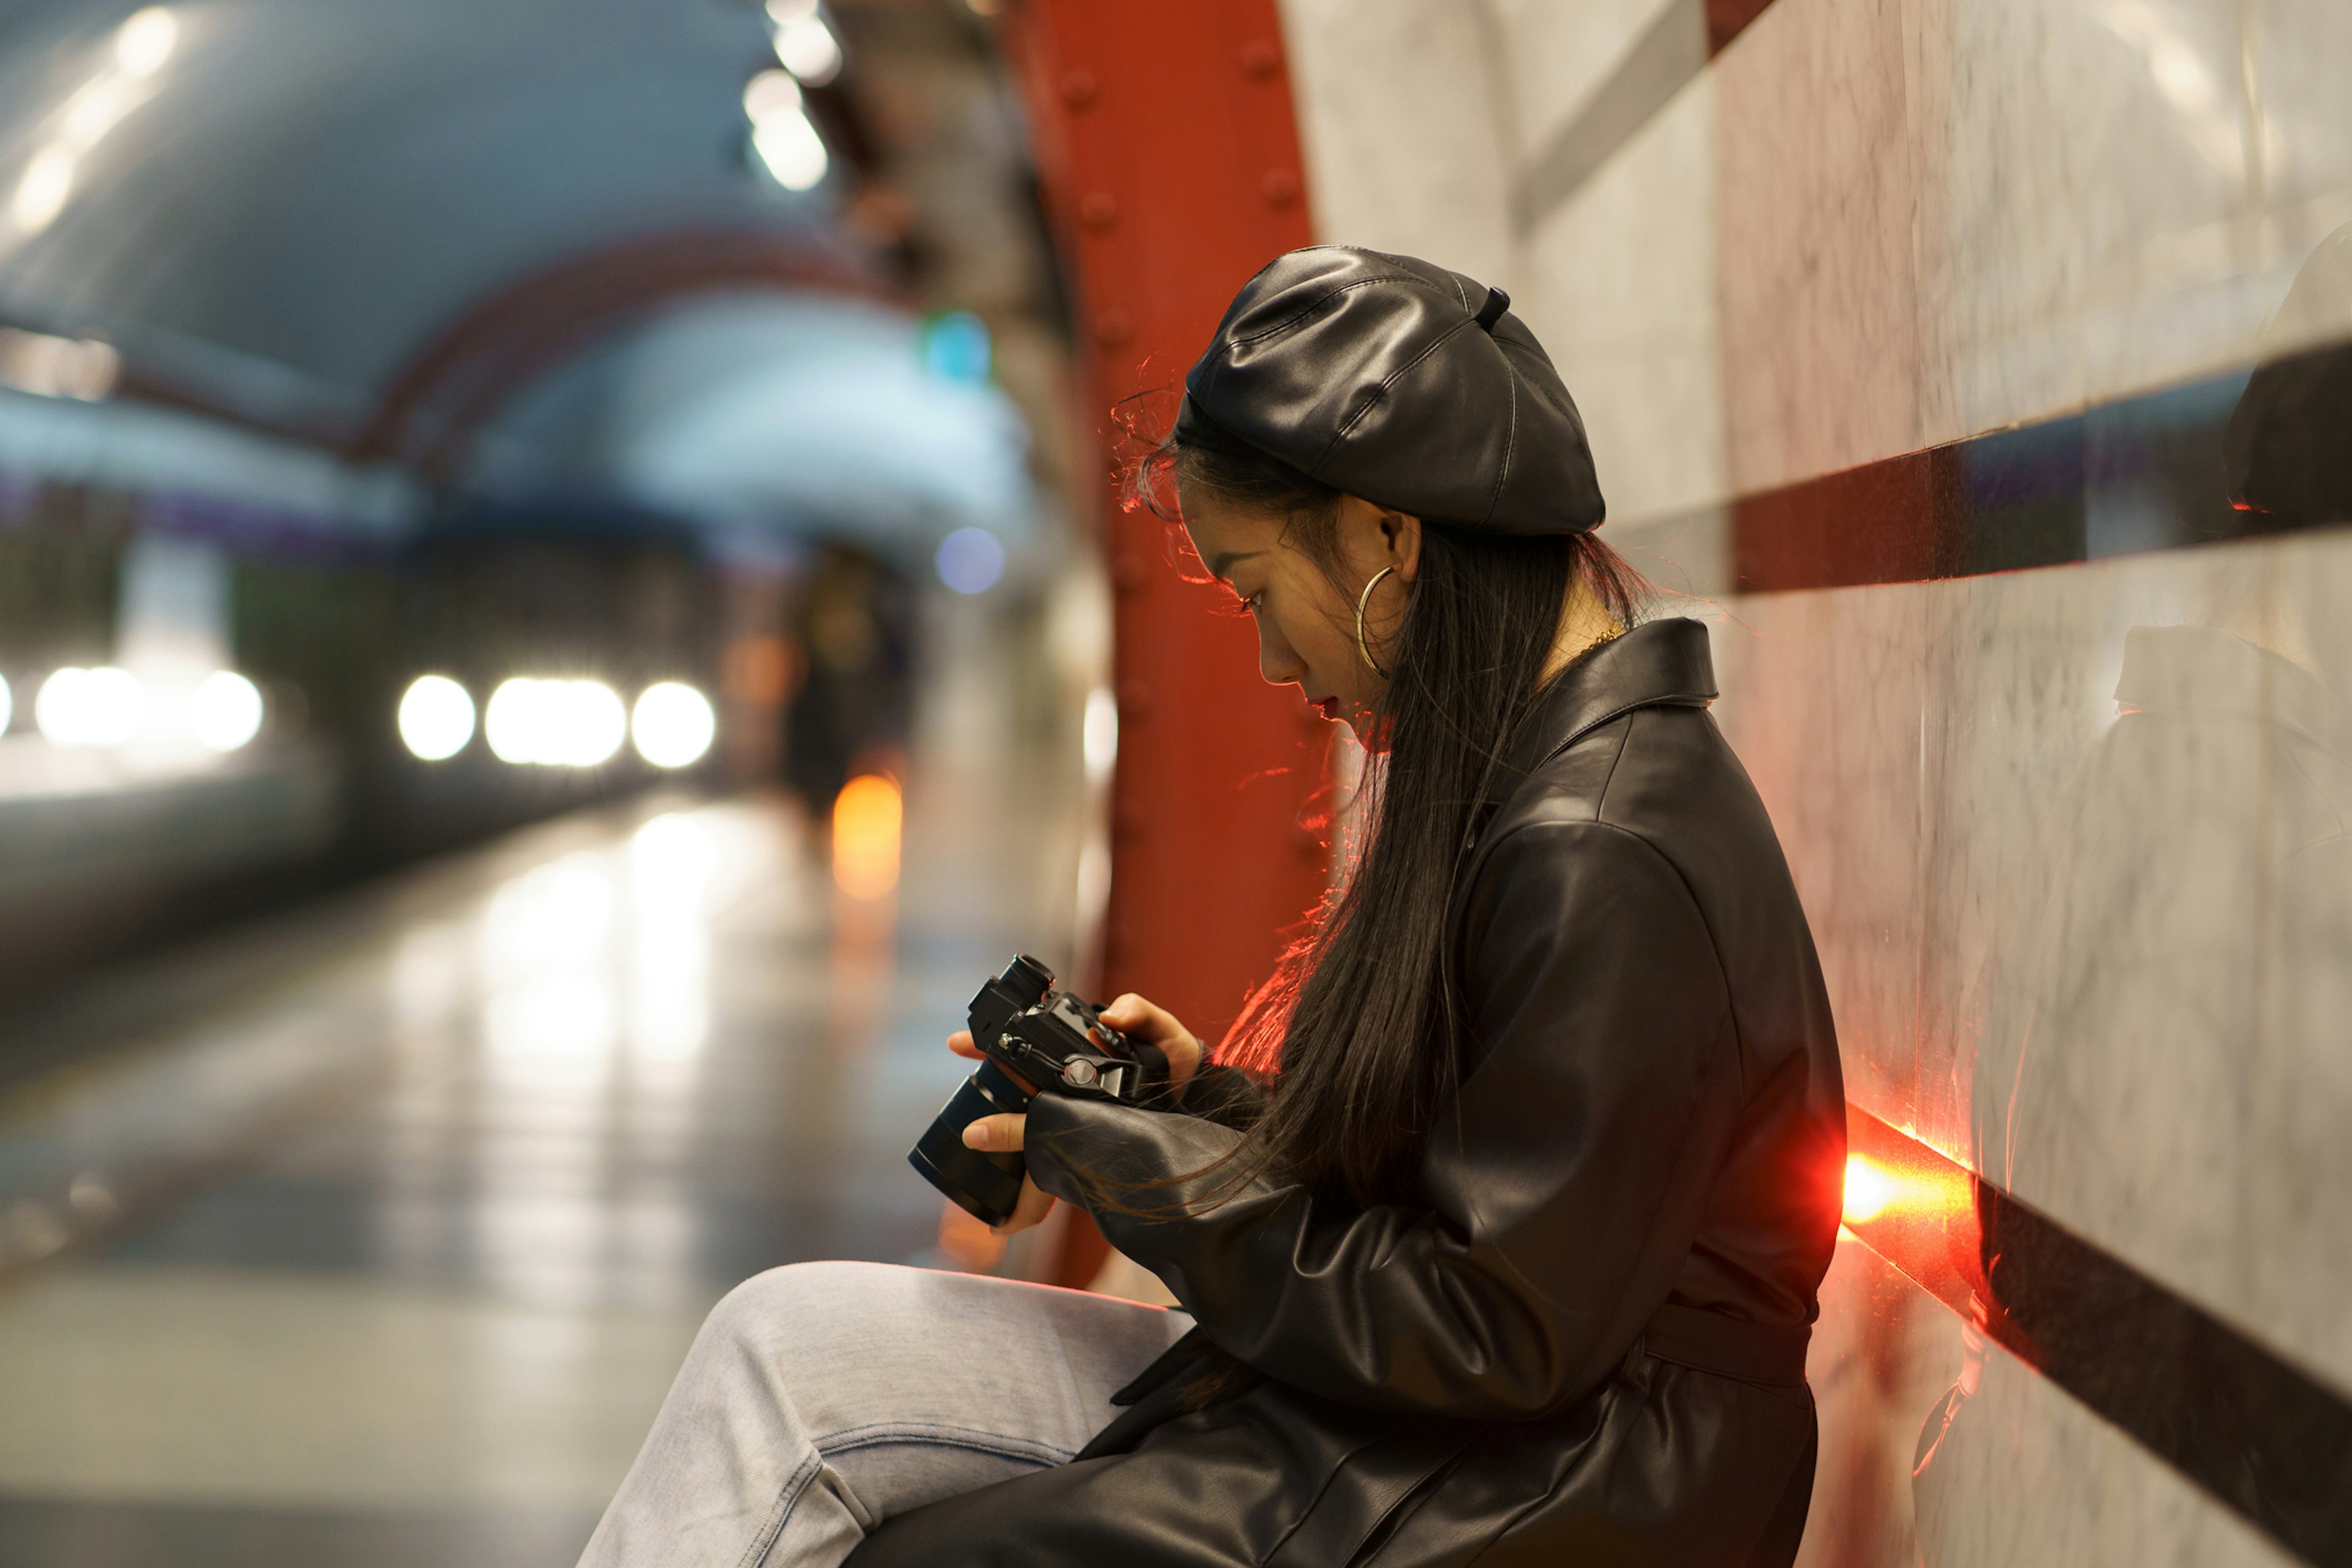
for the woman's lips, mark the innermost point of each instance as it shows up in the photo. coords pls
(1328, 706)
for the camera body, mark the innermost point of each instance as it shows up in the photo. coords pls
(1037, 1040)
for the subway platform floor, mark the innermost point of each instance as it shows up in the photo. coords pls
(373, 1234)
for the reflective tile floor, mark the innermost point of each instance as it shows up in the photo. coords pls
(374, 1234)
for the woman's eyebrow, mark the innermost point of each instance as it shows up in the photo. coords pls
(1222, 564)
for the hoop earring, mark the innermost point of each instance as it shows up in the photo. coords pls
(1363, 599)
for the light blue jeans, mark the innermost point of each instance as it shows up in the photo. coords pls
(822, 1399)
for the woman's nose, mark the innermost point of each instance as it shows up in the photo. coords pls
(1275, 661)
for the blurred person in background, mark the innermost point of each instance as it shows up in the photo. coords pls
(1498, 1224)
(855, 625)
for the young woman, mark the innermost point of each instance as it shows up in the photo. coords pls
(1512, 1258)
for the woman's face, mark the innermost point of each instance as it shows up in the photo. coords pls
(1305, 621)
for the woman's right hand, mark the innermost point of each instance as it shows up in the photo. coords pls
(1133, 1017)
(1130, 1014)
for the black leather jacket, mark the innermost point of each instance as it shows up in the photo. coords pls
(1589, 1346)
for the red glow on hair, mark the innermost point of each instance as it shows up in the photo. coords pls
(1254, 1043)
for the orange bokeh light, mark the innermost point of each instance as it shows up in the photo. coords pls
(866, 819)
(1927, 1187)
(1869, 1188)
(1916, 1207)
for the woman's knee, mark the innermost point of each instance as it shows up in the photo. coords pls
(794, 1293)
(805, 1307)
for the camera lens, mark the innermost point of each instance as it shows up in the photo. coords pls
(987, 1186)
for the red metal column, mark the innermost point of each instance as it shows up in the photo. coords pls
(1168, 151)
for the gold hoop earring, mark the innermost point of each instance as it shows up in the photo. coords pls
(1361, 600)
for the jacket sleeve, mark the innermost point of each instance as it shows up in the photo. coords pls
(1565, 1182)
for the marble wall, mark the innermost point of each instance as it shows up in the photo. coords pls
(2074, 839)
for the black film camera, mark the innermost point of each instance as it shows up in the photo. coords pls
(1031, 1034)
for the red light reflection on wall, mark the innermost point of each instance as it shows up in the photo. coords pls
(1915, 1208)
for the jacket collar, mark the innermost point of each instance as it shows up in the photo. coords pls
(1660, 663)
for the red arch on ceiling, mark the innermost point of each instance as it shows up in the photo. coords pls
(429, 415)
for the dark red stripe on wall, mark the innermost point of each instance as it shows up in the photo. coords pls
(1726, 19)
(2229, 456)
(2260, 1436)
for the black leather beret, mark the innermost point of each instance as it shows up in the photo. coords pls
(1402, 383)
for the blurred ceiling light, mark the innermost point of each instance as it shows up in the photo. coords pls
(555, 723)
(58, 367)
(971, 561)
(142, 46)
(8, 704)
(673, 724)
(42, 193)
(102, 707)
(785, 13)
(2182, 78)
(866, 819)
(791, 150)
(1099, 735)
(808, 48)
(95, 109)
(769, 94)
(145, 42)
(224, 711)
(436, 717)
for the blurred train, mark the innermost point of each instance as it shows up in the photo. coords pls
(213, 707)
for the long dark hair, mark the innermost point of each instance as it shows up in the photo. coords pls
(1360, 1025)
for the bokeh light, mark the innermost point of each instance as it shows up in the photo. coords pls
(95, 111)
(46, 366)
(436, 717)
(102, 707)
(1869, 1188)
(1098, 737)
(555, 723)
(792, 151)
(866, 822)
(673, 724)
(770, 94)
(787, 143)
(145, 42)
(224, 711)
(803, 42)
(971, 561)
(8, 704)
(43, 191)
(956, 347)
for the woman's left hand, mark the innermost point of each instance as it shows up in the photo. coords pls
(1003, 1135)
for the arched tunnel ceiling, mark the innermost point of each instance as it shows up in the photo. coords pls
(807, 412)
(309, 191)
(323, 183)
